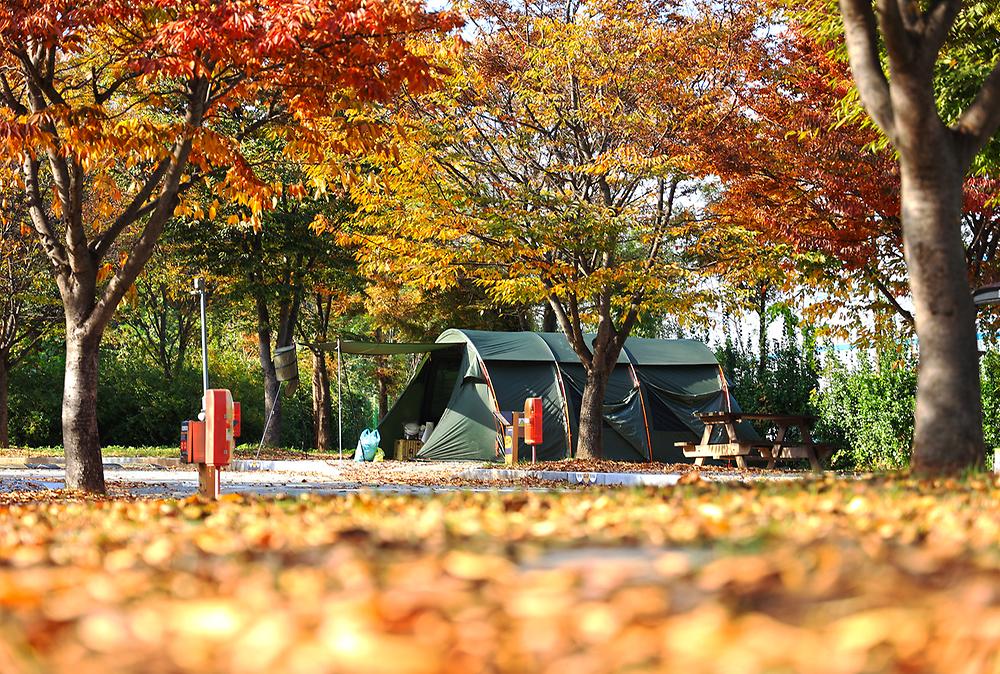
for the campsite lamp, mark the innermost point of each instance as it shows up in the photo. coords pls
(986, 295)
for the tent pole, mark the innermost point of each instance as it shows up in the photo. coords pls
(642, 402)
(340, 407)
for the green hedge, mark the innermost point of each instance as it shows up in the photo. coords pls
(138, 406)
(867, 410)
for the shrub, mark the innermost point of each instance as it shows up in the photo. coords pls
(989, 367)
(867, 410)
(786, 382)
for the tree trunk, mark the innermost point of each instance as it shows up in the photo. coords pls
(382, 375)
(272, 400)
(322, 405)
(588, 444)
(81, 442)
(4, 402)
(382, 379)
(549, 320)
(948, 432)
(762, 334)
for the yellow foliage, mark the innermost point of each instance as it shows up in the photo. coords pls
(834, 576)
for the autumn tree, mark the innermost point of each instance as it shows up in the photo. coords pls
(799, 188)
(318, 312)
(554, 165)
(270, 273)
(935, 154)
(122, 106)
(809, 180)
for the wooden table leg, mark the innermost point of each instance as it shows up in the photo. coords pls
(706, 435)
(779, 442)
(810, 448)
(706, 438)
(741, 461)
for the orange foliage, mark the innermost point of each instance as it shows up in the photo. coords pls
(815, 191)
(133, 102)
(828, 577)
(553, 166)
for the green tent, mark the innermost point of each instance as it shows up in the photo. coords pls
(469, 377)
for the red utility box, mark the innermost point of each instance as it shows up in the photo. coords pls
(219, 426)
(210, 443)
(193, 442)
(533, 421)
(237, 420)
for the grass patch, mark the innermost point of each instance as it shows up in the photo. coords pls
(111, 450)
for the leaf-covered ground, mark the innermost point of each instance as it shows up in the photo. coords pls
(886, 575)
(609, 466)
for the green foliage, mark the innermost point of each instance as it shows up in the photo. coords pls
(36, 397)
(783, 384)
(138, 406)
(965, 61)
(867, 410)
(989, 369)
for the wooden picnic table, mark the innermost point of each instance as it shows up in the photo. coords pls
(772, 450)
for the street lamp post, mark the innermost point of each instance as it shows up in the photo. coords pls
(199, 289)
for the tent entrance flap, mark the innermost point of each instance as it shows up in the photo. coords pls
(342, 347)
(426, 396)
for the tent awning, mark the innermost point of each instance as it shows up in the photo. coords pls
(378, 349)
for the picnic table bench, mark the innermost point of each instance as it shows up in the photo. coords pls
(772, 450)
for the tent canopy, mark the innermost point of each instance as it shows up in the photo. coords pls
(381, 349)
(471, 377)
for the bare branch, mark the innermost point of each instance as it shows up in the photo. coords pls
(886, 293)
(165, 203)
(103, 243)
(104, 96)
(39, 219)
(41, 83)
(10, 98)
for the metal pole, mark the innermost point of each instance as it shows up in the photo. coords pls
(340, 407)
(199, 287)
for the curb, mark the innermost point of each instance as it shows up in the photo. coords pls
(108, 461)
(608, 479)
(284, 466)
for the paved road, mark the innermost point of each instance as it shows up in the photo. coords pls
(180, 483)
